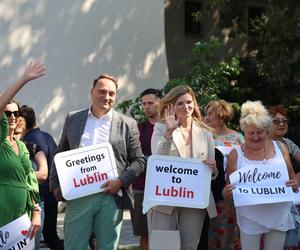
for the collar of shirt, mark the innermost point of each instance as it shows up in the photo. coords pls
(107, 116)
(97, 130)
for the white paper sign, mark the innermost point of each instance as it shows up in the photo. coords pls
(175, 181)
(15, 236)
(83, 171)
(260, 185)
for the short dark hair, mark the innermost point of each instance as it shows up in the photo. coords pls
(29, 116)
(106, 76)
(156, 92)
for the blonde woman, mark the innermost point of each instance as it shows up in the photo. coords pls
(182, 133)
(268, 220)
(218, 113)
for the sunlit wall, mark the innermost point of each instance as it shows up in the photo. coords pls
(78, 40)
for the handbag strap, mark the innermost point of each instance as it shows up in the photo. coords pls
(176, 216)
(279, 146)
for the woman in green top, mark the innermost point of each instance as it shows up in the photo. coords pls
(18, 184)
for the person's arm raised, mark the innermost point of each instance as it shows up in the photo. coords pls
(33, 71)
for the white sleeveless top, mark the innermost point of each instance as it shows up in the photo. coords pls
(258, 219)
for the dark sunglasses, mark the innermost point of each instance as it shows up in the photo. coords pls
(9, 113)
(278, 121)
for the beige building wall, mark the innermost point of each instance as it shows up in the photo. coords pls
(78, 40)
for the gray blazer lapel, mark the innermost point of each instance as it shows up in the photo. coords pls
(80, 125)
(115, 123)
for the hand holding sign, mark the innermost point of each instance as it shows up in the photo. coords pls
(35, 223)
(112, 186)
(293, 183)
(212, 164)
(227, 191)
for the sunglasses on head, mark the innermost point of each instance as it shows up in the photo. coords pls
(9, 113)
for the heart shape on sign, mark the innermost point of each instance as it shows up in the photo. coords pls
(24, 232)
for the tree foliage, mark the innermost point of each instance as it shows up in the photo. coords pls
(271, 71)
(208, 76)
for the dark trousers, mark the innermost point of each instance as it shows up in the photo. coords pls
(49, 230)
(203, 242)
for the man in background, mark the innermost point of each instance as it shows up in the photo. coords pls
(150, 105)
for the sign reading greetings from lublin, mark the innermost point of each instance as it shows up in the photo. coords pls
(259, 184)
(175, 181)
(83, 171)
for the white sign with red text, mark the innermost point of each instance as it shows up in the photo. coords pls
(260, 185)
(15, 235)
(83, 171)
(175, 181)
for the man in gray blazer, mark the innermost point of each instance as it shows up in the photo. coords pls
(100, 213)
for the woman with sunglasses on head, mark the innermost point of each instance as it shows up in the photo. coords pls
(18, 184)
(277, 131)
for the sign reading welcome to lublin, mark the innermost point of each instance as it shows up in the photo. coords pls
(175, 181)
(260, 185)
(15, 235)
(83, 171)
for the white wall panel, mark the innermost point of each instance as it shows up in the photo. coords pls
(78, 40)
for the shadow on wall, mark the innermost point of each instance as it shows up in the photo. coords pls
(78, 40)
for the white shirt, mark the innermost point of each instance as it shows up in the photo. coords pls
(96, 130)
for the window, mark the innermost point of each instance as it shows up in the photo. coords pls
(191, 25)
(254, 12)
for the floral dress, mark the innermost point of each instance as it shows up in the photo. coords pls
(18, 184)
(223, 231)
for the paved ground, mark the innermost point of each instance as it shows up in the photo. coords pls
(127, 238)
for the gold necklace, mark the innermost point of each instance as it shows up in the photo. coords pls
(264, 161)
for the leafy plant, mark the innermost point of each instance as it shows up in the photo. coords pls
(207, 75)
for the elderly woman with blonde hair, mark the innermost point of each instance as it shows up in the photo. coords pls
(270, 220)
